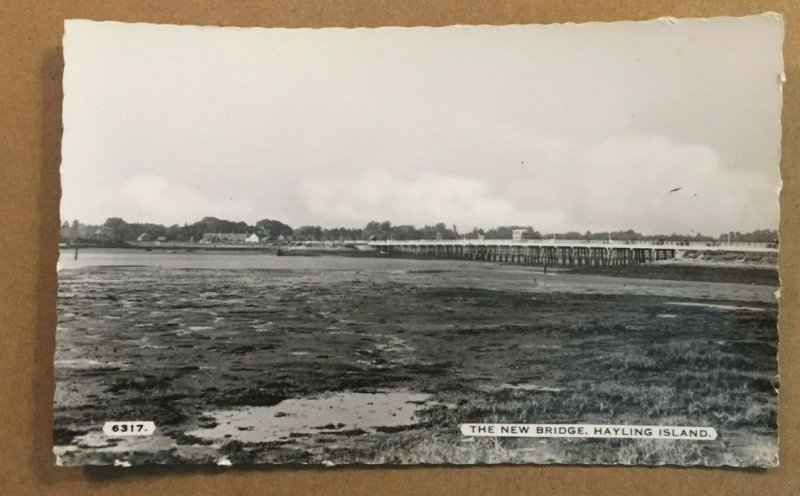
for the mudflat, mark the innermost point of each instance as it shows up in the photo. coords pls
(359, 362)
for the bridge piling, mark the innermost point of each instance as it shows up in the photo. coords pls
(567, 253)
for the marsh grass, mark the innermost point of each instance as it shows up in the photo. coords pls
(195, 342)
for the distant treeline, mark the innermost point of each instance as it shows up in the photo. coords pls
(116, 230)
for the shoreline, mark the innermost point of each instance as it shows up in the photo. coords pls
(701, 270)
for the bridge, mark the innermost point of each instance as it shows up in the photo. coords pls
(560, 252)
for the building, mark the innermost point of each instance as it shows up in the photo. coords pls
(225, 238)
(104, 232)
(253, 238)
(520, 234)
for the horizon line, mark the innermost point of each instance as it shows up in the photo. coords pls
(448, 226)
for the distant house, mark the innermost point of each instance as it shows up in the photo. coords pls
(225, 238)
(520, 234)
(103, 232)
(253, 238)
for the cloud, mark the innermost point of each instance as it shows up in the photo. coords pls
(157, 200)
(420, 199)
(633, 177)
(624, 182)
(628, 179)
(144, 198)
(606, 118)
(617, 183)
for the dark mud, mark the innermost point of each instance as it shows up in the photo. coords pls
(677, 272)
(180, 346)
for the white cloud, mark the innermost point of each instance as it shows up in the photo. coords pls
(146, 198)
(619, 183)
(629, 182)
(421, 199)
(162, 201)
(560, 127)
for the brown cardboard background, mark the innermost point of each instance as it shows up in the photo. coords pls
(30, 105)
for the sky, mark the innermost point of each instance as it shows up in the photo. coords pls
(559, 127)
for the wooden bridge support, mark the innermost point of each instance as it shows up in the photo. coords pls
(567, 256)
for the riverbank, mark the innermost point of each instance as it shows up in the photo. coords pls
(740, 274)
(756, 272)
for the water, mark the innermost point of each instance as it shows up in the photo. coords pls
(715, 306)
(93, 257)
(339, 412)
(453, 273)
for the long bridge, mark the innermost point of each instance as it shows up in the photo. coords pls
(560, 252)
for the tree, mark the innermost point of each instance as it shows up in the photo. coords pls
(308, 233)
(404, 233)
(116, 228)
(75, 232)
(381, 230)
(273, 228)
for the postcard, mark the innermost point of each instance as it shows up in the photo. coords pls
(523, 244)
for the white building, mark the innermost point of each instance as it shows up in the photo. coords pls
(519, 234)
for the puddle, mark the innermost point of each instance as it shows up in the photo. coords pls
(522, 387)
(340, 333)
(88, 364)
(327, 413)
(715, 306)
(532, 387)
(97, 441)
(666, 316)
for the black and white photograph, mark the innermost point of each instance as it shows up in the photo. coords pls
(513, 244)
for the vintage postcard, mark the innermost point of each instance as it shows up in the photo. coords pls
(430, 245)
